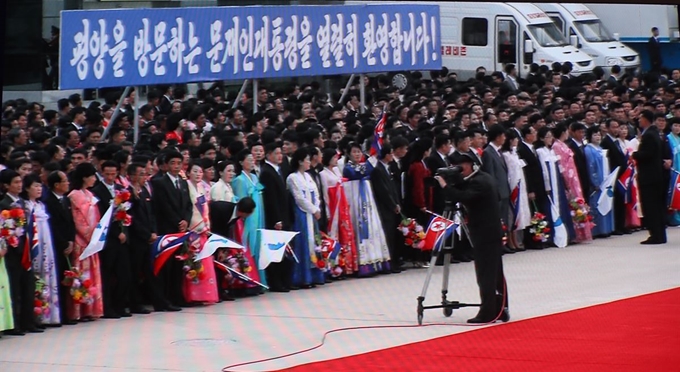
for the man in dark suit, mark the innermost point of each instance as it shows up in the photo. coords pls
(653, 190)
(276, 213)
(654, 50)
(617, 158)
(172, 204)
(398, 170)
(494, 165)
(486, 233)
(533, 174)
(439, 159)
(142, 235)
(387, 201)
(115, 257)
(63, 229)
(224, 215)
(577, 133)
(21, 276)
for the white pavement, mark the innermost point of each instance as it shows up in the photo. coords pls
(211, 337)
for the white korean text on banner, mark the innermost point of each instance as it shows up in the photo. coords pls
(124, 47)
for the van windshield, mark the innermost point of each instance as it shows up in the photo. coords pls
(547, 35)
(593, 30)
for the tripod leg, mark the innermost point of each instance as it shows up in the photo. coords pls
(421, 298)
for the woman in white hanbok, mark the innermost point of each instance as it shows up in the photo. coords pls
(520, 214)
(306, 272)
(369, 234)
(42, 251)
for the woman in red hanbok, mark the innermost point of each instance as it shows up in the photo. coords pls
(199, 284)
(337, 209)
(86, 217)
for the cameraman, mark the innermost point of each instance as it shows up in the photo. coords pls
(473, 189)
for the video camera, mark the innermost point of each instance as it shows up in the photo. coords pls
(452, 175)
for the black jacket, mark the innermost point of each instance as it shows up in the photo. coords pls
(275, 198)
(171, 205)
(143, 217)
(581, 165)
(649, 157)
(61, 221)
(483, 212)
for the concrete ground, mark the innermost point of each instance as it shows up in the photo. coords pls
(211, 337)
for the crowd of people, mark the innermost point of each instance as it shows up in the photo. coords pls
(313, 162)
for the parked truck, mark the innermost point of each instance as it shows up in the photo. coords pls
(632, 25)
(585, 31)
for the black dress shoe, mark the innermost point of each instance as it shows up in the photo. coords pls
(34, 330)
(293, 288)
(477, 320)
(69, 322)
(396, 271)
(41, 326)
(14, 332)
(278, 290)
(505, 316)
(58, 325)
(508, 250)
(617, 233)
(125, 314)
(627, 231)
(111, 315)
(651, 241)
(139, 310)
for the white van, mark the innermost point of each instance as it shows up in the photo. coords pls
(495, 34)
(585, 31)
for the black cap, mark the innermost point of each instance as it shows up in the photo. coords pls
(459, 158)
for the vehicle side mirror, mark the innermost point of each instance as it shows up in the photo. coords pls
(573, 40)
(529, 46)
(617, 36)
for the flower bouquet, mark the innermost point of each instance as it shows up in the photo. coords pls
(41, 308)
(121, 205)
(193, 270)
(80, 286)
(413, 233)
(238, 261)
(580, 213)
(12, 222)
(539, 228)
(322, 252)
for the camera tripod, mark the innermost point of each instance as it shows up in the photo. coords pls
(450, 213)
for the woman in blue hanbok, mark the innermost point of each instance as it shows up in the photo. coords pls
(307, 212)
(247, 184)
(554, 184)
(370, 237)
(598, 170)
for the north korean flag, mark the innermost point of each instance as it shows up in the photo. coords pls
(674, 192)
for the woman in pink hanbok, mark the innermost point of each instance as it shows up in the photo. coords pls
(86, 217)
(569, 173)
(337, 209)
(199, 284)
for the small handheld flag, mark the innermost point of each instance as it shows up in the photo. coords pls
(213, 243)
(98, 236)
(164, 247)
(224, 268)
(674, 191)
(438, 230)
(378, 132)
(560, 237)
(272, 246)
(605, 201)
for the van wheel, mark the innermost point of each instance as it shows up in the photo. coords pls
(400, 80)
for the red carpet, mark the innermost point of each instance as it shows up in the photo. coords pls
(636, 334)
